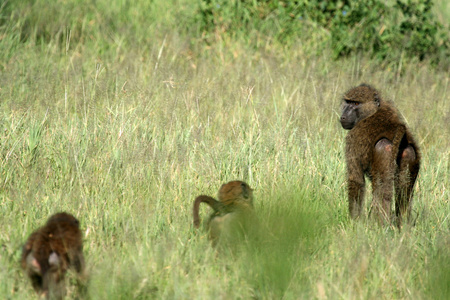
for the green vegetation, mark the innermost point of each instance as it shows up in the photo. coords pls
(387, 30)
(123, 112)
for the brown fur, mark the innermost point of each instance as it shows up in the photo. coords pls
(234, 205)
(50, 251)
(378, 145)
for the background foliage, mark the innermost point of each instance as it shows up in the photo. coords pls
(383, 29)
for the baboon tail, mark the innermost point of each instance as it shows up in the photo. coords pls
(213, 203)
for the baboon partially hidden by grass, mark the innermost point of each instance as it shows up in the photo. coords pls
(233, 210)
(380, 146)
(50, 251)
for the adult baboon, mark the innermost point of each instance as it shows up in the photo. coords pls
(379, 145)
(234, 207)
(50, 251)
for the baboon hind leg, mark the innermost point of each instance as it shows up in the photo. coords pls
(383, 170)
(408, 168)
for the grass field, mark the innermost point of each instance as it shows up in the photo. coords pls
(125, 126)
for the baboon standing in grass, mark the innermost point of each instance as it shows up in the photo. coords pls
(380, 146)
(234, 207)
(50, 251)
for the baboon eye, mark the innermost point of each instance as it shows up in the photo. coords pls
(356, 103)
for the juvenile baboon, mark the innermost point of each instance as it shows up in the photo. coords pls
(234, 207)
(50, 251)
(379, 145)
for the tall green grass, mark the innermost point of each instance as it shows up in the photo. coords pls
(113, 112)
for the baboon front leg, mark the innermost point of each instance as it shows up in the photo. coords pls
(382, 173)
(404, 182)
(356, 192)
(356, 187)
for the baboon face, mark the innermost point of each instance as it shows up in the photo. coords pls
(358, 104)
(236, 192)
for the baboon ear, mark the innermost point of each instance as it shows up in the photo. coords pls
(377, 99)
(245, 191)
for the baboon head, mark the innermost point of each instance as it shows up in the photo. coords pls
(236, 193)
(359, 103)
(63, 218)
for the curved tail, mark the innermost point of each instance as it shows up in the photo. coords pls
(213, 203)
